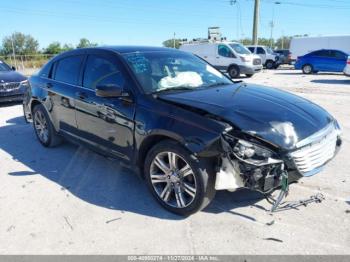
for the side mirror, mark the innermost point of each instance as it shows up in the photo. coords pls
(110, 90)
(13, 68)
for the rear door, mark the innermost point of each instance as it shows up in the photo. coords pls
(105, 123)
(320, 60)
(61, 91)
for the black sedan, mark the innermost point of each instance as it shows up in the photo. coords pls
(186, 127)
(11, 89)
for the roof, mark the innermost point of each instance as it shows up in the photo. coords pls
(133, 49)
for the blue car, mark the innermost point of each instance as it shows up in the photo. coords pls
(322, 60)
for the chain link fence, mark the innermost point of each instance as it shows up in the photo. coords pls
(26, 64)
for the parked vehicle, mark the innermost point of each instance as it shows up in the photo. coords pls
(347, 67)
(189, 129)
(285, 56)
(229, 57)
(268, 58)
(300, 46)
(322, 60)
(10, 90)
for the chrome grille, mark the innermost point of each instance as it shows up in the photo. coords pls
(317, 153)
(257, 61)
(5, 87)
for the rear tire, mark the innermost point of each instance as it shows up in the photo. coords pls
(307, 69)
(179, 181)
(233, 71)
(44, 129)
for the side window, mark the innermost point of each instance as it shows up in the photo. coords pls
(260, 51)
(338, 55)
(67, 69)
(101, 71)
(251, 49)
(45, 71)
(225, 51)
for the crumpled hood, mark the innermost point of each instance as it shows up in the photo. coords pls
(273, 115)
(11, 76)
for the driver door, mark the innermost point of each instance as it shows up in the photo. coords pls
(225, 57)
(105, 123)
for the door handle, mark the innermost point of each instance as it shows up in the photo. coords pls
(49, 85)
(81, 95)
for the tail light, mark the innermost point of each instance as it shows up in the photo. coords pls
(348, 62)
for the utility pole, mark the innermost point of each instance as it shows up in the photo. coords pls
(272, 24)
(256, 22)
(13, 51)
(174, 40)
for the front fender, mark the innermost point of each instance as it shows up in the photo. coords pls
(198, 134)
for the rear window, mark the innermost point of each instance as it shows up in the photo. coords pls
(323, 53)
(68, 69)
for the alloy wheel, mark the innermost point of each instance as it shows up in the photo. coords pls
(41, 126)
(173, 180)
(307, 69)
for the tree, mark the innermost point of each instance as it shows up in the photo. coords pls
(23, 44)
(67, 47)
(170, 43)
(283, 42)
(53, 48)
(85, 43)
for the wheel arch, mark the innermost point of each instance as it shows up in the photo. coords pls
(192, 145)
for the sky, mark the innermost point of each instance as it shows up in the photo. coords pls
(150, 22)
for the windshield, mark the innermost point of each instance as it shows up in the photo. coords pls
(269, 50)
(168, 70)
(240, 49)
(4, 67)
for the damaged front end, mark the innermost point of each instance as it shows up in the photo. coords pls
(250, 165)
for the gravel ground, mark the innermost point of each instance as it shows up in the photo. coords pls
(68, 200)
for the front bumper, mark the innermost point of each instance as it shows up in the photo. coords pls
(13, 95)
(308, 159)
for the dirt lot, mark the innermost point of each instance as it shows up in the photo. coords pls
(68, 200)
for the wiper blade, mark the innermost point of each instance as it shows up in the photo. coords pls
(173, 89)
(217, 84)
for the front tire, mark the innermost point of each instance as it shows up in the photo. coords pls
(233, 71)
(43, 128)
(179, 181)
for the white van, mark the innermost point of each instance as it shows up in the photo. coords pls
(300, 46)
(229, 57)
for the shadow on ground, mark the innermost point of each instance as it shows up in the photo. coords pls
(7, 104)
(332, 81)
(95, 179)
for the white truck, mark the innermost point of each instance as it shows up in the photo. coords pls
(269, 58)
(300, 46)
(230, 57)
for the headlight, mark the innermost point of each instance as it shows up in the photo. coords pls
(248, 150)
(254, 154)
